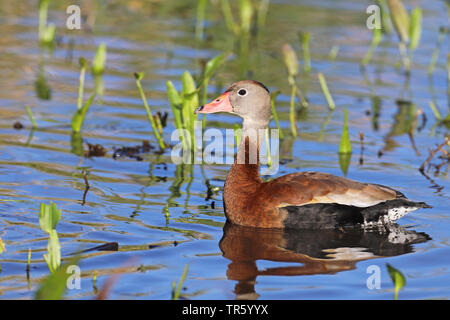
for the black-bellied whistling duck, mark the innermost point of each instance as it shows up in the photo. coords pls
(299, 200)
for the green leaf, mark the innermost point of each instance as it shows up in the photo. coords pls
(175, 102)
(400, 17)
(98, 64)
(53, 257)
(290, 60)
(54, 286)
(213, 64)
(345, 145)
(78, 117)
(189, 95)
(415, 29)
(49, 216)
(397, 278)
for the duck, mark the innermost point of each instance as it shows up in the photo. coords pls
(301, 200)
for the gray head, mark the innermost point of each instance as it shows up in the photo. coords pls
(248, 99)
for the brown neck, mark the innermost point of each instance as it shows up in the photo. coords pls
(243, 179)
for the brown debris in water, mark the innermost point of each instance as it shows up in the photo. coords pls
(133, 152)
(18, 125)
(95, 150)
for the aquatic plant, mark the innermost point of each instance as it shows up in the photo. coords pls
(273, 97)
(46, 32)
(82, 109)
(138, 76)
(397, 278)
(435, 54)
(184, 104)
(199, 27)
(291, 63)
(98, 64)
(408, 29)
(49, 216)
(30, 115)
(305, 38)
(345, 147)
(2, 246)
(176, 290)
(376, 38)
(54, 286)
(326, 92)
(333, 52)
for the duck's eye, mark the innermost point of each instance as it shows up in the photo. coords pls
(242, 92)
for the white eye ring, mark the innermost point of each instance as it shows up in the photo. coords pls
(242, 94)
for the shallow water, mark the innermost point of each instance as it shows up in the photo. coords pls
(128, 200)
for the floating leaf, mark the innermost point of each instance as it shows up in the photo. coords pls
(98, 64)
(49, 216)
(397, 278)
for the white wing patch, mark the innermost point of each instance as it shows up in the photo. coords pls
(393, 215)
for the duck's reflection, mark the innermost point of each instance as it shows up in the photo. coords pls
(317, 251)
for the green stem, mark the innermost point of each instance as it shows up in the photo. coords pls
(150, 116)
(326, 92)
(292, 112)
(275, 117)
(33, 123)
(81, 87)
